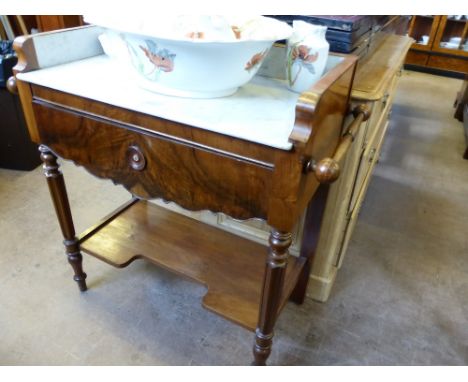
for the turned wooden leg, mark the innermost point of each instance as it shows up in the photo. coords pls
(59, 197)
(272, 287)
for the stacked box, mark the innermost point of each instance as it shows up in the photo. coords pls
(345, 34)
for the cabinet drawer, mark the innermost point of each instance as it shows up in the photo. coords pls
(152, 165)
(415, 57)
(456, 64)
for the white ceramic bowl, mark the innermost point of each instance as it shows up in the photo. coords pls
(190, 68)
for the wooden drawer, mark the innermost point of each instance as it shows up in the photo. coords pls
(415, 57)
(153, 165)
(454, 64)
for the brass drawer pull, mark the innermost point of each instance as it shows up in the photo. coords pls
(327, 170)
(135, 158)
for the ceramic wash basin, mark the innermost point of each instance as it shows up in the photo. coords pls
(192, 58)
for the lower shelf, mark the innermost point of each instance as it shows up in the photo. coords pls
(231, 267)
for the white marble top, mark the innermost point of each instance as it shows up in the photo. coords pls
(262, 111)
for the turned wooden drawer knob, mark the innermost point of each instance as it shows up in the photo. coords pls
(326, 171)
(362, 109)
(11, 85)
(135, 158)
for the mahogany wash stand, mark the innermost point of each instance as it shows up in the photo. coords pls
(197, 168)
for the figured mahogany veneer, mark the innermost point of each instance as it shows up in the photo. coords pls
(197, 175)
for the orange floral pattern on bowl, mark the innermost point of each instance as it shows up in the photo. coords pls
(162, 59)
(237, 31)
(195, 35)
(201, 35)
(256, 60)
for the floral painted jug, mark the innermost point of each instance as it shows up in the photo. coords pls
(307, 55)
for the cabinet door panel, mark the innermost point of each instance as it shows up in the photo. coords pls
(380, 111)
(423, 29)
(451, 36)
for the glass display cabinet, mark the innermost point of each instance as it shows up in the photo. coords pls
(423, 29)
(441, 44)
(452, 35)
